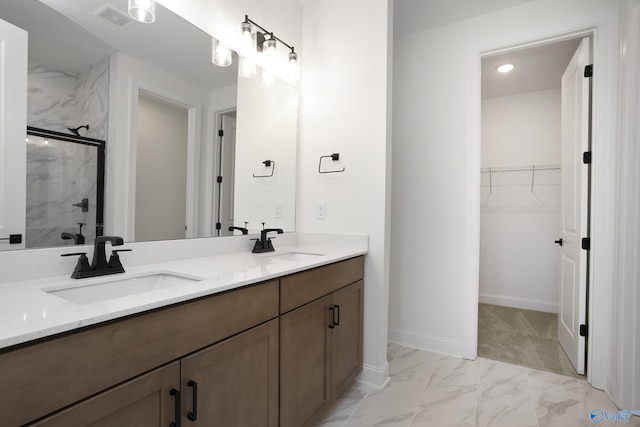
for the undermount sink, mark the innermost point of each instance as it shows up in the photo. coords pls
(295, 256)
(111, 288)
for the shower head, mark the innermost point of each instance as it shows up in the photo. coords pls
(76, 132)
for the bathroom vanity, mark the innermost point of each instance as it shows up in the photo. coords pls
(261, 352)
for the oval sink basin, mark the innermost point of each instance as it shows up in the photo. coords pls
(295, 256)
(112, 288)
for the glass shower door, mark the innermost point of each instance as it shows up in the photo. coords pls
(65, 188)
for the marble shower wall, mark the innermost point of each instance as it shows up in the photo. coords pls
(60, 174)
(57, 100)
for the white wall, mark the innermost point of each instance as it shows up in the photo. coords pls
(436, 202)
(344, 100)
(521, 130)
(519, 263)
(267, 129)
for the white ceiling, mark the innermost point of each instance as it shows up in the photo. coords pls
(74, 39)
(538, 68)
(410, 16)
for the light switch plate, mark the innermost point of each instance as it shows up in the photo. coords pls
(321, 210)
(277, 210)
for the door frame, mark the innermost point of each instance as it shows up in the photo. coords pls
(216, 166)
(602, 210)
(193, 148)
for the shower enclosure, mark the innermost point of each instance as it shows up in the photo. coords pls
(65, 188)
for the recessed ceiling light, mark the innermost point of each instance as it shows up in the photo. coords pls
(505, 68)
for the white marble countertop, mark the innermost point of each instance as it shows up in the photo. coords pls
(29, 312)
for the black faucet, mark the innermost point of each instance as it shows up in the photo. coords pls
(99, 265)
(78, 238)
(244, 229)
(263, 244)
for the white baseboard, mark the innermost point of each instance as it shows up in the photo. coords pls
(515, 302)
(373, 376)
(426, 342)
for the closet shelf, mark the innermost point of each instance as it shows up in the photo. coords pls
(520, 175)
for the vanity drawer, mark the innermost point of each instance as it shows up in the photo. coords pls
(44, 377)
(301, 288)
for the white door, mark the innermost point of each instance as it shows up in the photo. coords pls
(227, 172)
(13, 131)
(574, 141)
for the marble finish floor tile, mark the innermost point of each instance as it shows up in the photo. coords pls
(428, 389)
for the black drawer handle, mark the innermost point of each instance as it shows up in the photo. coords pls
(178, 412)
(336, 312)
(333, 317)
(193, 415)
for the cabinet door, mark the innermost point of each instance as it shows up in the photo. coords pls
(346, 344)
(235, 382)
(304, 362)
(145, 402)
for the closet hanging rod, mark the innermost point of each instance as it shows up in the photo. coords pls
(532, 169)
(521, 168)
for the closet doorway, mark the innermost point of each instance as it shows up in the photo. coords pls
(533, 291)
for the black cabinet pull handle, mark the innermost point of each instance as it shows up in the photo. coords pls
(559, 241)
(336, 311)
(193, 415)
(178, 413)
(333, 317)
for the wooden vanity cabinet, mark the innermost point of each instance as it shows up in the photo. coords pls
(320, 338)
(236, 381)
(66, 370)
(232, 383)
(274, 353)
(146, 401)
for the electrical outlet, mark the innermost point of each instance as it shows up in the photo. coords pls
(321, 210)
(277, 210)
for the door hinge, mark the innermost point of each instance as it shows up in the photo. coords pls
(588, 71)
(586, 157)
(586, 243)
(584, 331)
(219, 180)
(218, 226)
(220, 132)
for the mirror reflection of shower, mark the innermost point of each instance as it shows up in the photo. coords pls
(65, 188)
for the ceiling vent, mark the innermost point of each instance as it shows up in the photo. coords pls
(114, 17)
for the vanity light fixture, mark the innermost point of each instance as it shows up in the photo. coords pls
(220, 54)
(266, 41)
(143, 10)
(505, 68)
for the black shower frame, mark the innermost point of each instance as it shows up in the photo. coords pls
(100, 146)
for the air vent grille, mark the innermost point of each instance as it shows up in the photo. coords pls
(114, 17)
